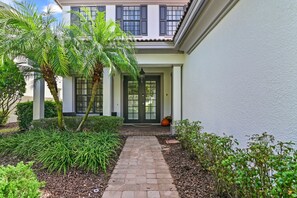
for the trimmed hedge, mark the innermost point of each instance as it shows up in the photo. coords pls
(264, 169)
(19, 181)
(93, 123)
(25, 112)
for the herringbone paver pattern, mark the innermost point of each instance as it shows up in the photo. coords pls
(141, 172)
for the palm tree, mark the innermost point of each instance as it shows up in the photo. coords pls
(26, 32)
(102, 44)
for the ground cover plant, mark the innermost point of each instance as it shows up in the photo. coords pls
(60, 151)
(19, 181)
(264, 169)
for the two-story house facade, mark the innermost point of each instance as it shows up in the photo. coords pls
(153, 24)
(230, 64)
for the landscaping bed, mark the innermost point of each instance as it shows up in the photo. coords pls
(9, 128)
(189, 177)
(75, 182)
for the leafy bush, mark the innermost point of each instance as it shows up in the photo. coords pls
(25, 112)
(59, 151)
(19, 181)
(93, 123)
(263, 169)
(12, 87)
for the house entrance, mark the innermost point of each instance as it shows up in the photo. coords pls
(142, 100)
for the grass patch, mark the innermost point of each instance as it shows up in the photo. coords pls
(60, 151)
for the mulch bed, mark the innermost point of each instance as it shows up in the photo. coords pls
(76, 183)
(189, 177)
(10, 125)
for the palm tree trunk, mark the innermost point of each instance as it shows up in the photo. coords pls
(59, 107)
(50, 79)
(90, 105)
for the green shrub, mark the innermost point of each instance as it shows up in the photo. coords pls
(25, 112)
(93, 123)
(19, 181)
(59, 151)
(12, 87)
(263, 169)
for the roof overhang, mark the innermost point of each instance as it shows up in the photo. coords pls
(164, 47)
(201, 17)
(58, 4)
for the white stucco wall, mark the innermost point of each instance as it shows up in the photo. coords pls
(47, 93)
(242, 79)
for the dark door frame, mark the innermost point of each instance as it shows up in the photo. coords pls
(141, 99)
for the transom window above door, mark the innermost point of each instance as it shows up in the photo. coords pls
(133, 19)
(170, 17)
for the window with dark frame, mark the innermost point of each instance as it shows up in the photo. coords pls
(93, 10)
(83, 95)
(133, 19)
(170, 17)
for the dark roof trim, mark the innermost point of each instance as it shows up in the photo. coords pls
(57, 2)
(199, 20)
(183, 17)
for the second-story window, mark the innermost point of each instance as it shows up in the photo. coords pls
(169, 19)
(93, 11)
(133, 19)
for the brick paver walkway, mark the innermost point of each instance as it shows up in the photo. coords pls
(141, 172)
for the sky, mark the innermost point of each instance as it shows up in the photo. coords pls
(42, 6)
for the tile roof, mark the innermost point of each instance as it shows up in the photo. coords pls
(154, 40)
(183, 17)
(177, 29)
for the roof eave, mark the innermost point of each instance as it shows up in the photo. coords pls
(199, 20)
(59, 4)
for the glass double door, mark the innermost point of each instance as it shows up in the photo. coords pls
(142, 100)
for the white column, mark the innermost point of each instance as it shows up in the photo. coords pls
(68, 95)
(107, 92)
(38, 99)
(176, 95)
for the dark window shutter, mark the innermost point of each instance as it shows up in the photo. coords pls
(163, 18)
(143, 20)
(101, 8)
(74, 18)
(119, 15)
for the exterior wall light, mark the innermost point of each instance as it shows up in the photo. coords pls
(142, 75)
